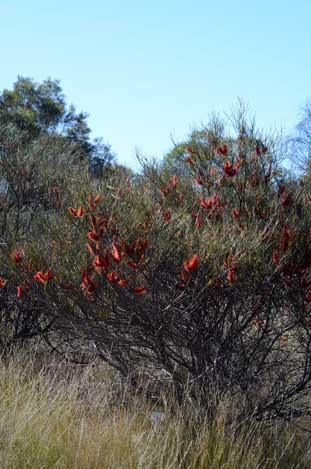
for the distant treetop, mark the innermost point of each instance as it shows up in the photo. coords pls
(41, 108)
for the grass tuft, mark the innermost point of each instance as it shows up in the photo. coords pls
(61, 416)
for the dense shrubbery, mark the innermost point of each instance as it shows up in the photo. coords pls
(202, 278)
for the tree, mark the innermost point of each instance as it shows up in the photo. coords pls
(300, 142)
(38, 108)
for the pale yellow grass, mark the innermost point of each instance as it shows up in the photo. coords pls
(58, 416)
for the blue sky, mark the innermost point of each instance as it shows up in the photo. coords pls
(146, 71)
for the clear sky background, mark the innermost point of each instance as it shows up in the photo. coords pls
(147, 70)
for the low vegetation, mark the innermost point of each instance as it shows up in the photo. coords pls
(189, 283)
(56, 415)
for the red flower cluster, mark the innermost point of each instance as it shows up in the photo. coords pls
(79, 212)
(189, 160)
(17, 256)
(190, 266)
(229, 169)
(222, 150)
(236, 213)
(87, 282)
(116, 253)
(93, 201)
(211, 203)
(44, 277)
(101, 262)
(20, 292)
(118, 250)
(140, 290)
(167, 215)
(171, 186)
(275, 257)
(231, 266)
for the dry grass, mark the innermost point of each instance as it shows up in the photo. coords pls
(58, 416)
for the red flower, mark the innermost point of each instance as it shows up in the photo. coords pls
(88, 285)
(79, 212)
(207, 204)
(17, 256)
(87, 282)
(231, 264)
(231, 276)
(93, 236)
(308, 297)
(140, 290)
(189, 160)
(113, 277)
(122, 283)
(101, 263)
(189, 150)
(199, 221)
(44, 277)
(185, 276)
(3, 283)
(180, 286)
(222, 150)
(167, 215)
(236, 213)
(140, 245)
(116, 253)
(163, 191)
(93, 201)
(286, 232)
(229, 170)
(98, 198)
(191, 264)
(283, 338)
(91, 249)
(198, 181)
(133, 265)
(19, 292)
(275, 257)
(174, 181)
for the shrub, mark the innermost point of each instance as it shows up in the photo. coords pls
(32, 172)
(202, 278)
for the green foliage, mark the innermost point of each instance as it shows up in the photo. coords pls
(34, 107)
(41, 108)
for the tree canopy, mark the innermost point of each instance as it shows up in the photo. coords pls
(38, 108)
